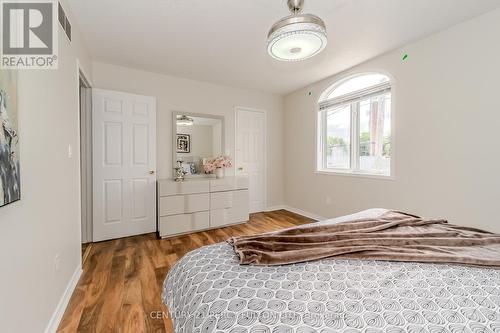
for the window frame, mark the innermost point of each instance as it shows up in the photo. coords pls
(353, 102)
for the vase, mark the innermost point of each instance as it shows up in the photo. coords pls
(219, 173)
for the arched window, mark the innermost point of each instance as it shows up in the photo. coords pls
(354, 126)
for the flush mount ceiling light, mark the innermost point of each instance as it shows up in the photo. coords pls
(184, 121)
(298, 36)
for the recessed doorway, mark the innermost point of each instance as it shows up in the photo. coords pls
(85, 94)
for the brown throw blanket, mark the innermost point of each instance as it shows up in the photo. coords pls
(392, 236)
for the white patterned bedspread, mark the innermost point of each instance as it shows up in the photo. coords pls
(208, 291)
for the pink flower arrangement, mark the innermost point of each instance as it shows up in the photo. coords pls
(217, 163)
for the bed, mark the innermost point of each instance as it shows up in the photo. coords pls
(208, 291)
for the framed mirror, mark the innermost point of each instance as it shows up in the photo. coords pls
(196, 138)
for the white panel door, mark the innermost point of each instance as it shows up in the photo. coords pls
(124, 163)
(251, 154)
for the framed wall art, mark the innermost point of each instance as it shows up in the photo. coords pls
(10, 177)
(183, 143)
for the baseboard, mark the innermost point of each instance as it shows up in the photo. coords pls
(272, 208)
(297, 211)
(63, 302)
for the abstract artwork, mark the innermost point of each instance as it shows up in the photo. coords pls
(183, 143)
(10, 181)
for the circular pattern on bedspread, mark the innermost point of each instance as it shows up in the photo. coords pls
(207, 291)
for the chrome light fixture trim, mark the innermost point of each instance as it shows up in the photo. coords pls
(298, 36)
(184, 120)
(312, 20)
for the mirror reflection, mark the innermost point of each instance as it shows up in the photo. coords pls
(198, 139)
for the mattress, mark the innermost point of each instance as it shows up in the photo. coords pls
(208, 291)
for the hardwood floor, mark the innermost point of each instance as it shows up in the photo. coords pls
(119, 290)
(86, 251)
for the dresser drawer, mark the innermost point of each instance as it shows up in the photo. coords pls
(179, 224)
(221, 200)
(237, 212)
(228, 184)
(180, 204)
(168, 187)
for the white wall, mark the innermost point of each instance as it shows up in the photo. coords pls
(46, 221)
(177, 94)
(447, 117)
(447, 125)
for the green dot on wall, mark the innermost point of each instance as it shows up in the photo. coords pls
(405, 56)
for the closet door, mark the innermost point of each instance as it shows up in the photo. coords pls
(251, 154)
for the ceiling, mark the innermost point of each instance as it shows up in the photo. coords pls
(224, 41)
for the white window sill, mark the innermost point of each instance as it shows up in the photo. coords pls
(349, 173)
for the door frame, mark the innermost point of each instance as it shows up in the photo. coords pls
(81, 74)
(264, 112)
(85, 160)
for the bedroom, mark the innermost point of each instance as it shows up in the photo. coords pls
(397, 110)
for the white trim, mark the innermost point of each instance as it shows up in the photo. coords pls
(78, 156)
(84, 72)
(350, 173)
(242, 108)
(63, 302)
(340, 79)
(273, 208)
(356, 96)
(85, 141)
(296, 211)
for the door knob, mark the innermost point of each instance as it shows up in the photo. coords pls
(152, 172)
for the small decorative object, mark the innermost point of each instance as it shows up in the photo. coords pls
(189, 167)
(183, 143)
(179, 172)
(217, 165)
(10, 179)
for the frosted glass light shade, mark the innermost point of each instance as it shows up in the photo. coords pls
(297, 37)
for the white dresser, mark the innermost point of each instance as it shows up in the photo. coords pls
(200, 204)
